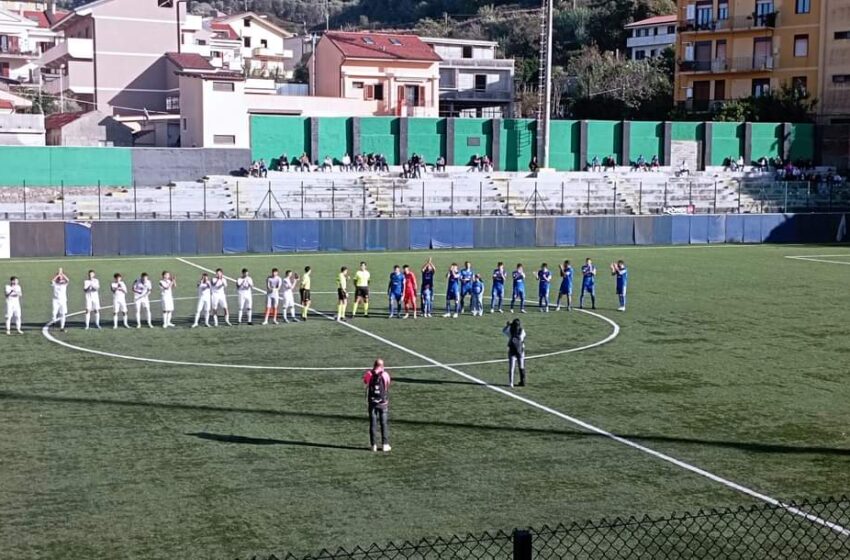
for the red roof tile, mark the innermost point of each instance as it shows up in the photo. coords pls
(189, 61)
(224, 30)
(4, 104)
(39, 17)
(384, 46)
(58, 120)
(657, 20)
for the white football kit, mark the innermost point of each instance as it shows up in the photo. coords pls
(13, 302)
(60, 298)
(204, 302)
(273, 285)
(92, 290)
(119, 296)
(166, 295)
(245, 289)
(219, 296)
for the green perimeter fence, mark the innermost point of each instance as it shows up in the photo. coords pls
(817, 529)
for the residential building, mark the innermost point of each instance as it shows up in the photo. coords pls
(112, 58)
(263, 44)
(19, 129)
(24, 36)
(834, 67)
(729, 49)
(473, 81)
(90, 128)
(216, 108)
(400, 72)
(649, 38)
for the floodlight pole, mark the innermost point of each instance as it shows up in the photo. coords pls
(544, 128)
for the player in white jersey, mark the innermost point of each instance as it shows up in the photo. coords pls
(142, 289)
(204, 300)
(91, 289)
(166, 297)
(245, 290)
(119, 299)
(60, 282)
(290, 280)
(14, 293)
(219, 296)
(273, 285)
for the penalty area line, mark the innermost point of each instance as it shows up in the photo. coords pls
(819, 258)
(587, 426)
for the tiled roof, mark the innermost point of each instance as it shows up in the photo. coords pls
(4, 104)
(224, 29)
(39, 17)
(383, 46)
(657, 20)
(58, 120)
(189, 61)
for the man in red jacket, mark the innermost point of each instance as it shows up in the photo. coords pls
(377, 382)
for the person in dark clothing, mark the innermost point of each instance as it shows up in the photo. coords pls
(377, 382)
(516, 350)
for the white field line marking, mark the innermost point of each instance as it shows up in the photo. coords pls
(45, 331)
(820, 260)
(591, 428)
(572, 248)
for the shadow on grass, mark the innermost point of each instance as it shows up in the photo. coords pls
(415, 381)
(753, 447)
(244, 440)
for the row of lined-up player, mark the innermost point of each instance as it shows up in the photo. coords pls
(406, 295)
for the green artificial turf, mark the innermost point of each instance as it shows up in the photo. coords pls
(731, 358)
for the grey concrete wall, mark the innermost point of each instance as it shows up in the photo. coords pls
(158, 166)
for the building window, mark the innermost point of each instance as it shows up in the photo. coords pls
(722, 11)
(172, 103)
(215, 54)
(357, 85)
(671, 30)
(761, 87)
(480, 82)
(448, 79)
(264, 43)
(655, 31)
(801, 45)
(223, 86)
(842, 35)
(720, 90)
(165, 3)
(185, 124)
(227, 139)
(467, 52)
(640, 55)
(368, 40)
(246, 22)
(395, 42)
(800, 84)
(413, 96)
(804, 6)
(843, 79)
(201, 42)
(379, 92)
(246, 41)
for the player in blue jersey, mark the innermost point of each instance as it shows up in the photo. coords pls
(619, 270)
(477, 301)
(452, 292)
(518, 288)
(544, 281)
(467, 275)
(427, 289)
(497, 291)
(566, 289)
(395, 291)
(588, 283)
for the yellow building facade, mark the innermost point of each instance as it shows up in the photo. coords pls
(728, 49)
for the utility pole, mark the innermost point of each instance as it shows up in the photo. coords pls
(327, 16)
(544, 85)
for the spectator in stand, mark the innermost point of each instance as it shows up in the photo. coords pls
(740, 163)
(255, 168)
(383, 166)
(486, 164)
(475, 163)
(762, 164)
(594, 165)
(641, 163)
(283, 163)
(533, 166)
(346, 163)
(328, 164)
(304, 163)
(441, 164)
(609, 163)
(683, 169)
(264, 169)
(654, 164)
(417, 162)
(371, 163)
(358, 163)
(406, 173)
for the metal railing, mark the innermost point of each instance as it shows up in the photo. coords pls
(755, 532)
(761, 63)
(735, 23)
(401, 198)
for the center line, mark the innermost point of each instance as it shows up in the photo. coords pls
(585, 425)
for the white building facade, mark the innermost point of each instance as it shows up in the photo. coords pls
(649, 38)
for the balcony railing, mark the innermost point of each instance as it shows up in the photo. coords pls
(739, 64)
(477, 62)
(452, 94)
(10, 50)
(736, 23)
(70, 49)
(264, 52)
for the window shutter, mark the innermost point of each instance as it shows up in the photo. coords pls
(421, 99)
(689, 52)
(691, 12)
(400, 102)
(370, 92)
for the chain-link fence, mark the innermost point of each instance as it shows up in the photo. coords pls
(817, 529)
(377, 197)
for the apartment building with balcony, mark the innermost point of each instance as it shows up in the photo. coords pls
(264, 51)
(834, 68)
(399, 72)
(649, 38)
(474, 82)
(729, 49)
(24, 36)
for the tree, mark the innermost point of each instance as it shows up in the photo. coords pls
(788, 104)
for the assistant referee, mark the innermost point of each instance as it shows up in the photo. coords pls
(361, 290)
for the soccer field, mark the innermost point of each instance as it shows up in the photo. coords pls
(724, 383)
